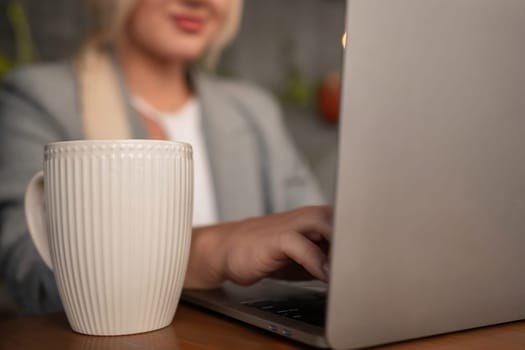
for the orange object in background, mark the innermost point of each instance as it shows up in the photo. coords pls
(328, 98)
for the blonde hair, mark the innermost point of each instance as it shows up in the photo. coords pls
(111, 16)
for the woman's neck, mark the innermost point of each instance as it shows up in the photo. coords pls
(163, 84)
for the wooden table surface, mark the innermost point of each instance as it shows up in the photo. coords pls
(195, 329)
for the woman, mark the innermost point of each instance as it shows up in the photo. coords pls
(135, 78)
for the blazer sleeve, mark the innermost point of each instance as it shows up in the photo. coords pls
(25, 126)
(290, 183)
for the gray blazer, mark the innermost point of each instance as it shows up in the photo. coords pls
(255, 168)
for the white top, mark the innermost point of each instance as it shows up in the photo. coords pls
(185, 125)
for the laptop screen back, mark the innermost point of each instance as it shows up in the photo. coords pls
(430, 209)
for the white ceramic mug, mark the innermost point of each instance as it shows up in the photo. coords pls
(112, 219)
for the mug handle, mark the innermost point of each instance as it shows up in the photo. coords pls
(34, 208)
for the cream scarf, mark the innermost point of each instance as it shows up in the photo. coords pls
(102, 103)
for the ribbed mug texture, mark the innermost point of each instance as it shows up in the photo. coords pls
(119, 221)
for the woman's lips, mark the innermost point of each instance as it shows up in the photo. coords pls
(188, 24)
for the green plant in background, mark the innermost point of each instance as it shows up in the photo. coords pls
(297, 89)
(25, 51)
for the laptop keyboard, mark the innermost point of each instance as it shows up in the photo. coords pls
(309, 308)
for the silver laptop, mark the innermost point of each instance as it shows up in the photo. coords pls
(430, 210)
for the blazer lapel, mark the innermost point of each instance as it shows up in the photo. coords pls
(232, 150)
(136, 126)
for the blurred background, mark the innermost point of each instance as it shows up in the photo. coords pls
(290, 47)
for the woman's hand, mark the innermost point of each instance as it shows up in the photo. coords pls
(248, 250)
